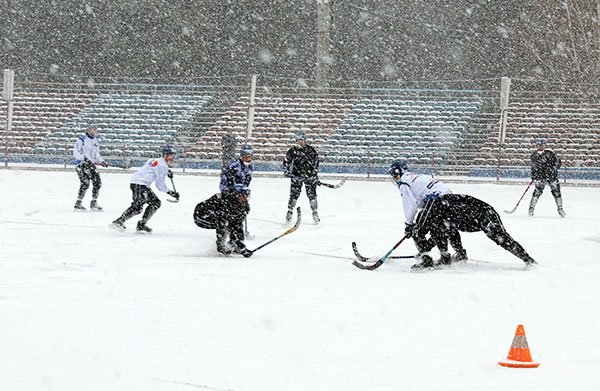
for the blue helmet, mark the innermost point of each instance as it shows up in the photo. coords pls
(169, 150)
(240, 188)
(541, 141)
(246, 150)
(398, 167)
(300, 136)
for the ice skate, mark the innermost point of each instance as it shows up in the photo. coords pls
(79, 207)
(426, 262)
(460, 255)
(288, 216)
(445, 259)
(315, 206)
(316, 218)
(118, 225)
(143, 228)
(95, 207)
(530, 213)
(561, 213)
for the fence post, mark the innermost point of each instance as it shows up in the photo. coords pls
(8, 95)
(368, 161)
(500, 145)
(65, 157)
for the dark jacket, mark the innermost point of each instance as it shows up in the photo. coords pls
(544, 165)
(301, 162)
(226, 214)
(236, 172)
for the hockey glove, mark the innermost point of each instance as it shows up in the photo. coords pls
(104, 164)
(246, 253)
(173, 194)
(170, 174)
(408, 230)
(287, 174)
(312, 181)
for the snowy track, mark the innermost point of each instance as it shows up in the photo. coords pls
(85, 307)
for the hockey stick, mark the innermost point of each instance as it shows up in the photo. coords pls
(380, 261)
(329, 185)
(174, 200)
(287, 232)
(117, 166)
(518, 202)
(365, 259)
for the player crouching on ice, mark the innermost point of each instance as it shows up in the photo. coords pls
(443, 214)
(226, 213)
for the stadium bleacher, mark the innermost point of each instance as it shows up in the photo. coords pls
(128, 122)
(355, 130)
(572, 130)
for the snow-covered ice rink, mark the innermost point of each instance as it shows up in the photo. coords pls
(83, 307)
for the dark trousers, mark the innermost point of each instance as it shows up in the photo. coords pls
(540, 185)
(310, 187)
(444, 216)
(141, 195)
(87, 173)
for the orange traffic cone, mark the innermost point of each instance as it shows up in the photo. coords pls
(519, 355)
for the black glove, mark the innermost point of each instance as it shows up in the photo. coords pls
(104, 164)
(287, 174)
(246, 253)
(408, 230)
(312, 180)
(173, 194)
(170, 174)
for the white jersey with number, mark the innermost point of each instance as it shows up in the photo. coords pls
(154, 170)
(415, 190)
(87, 147)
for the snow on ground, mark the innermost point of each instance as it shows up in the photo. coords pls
(83, 307)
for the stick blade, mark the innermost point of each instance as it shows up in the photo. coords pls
(357, 254)
(340, 184)
(360, 261)
(370, 266)
(297, 223)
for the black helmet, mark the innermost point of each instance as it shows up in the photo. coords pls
(246, 150)
(240, 188)
(169, 150)
(398, 167)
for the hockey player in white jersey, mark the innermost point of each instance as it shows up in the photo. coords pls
(417, 192)
(154, 170)
(443, 215)
(86, 152)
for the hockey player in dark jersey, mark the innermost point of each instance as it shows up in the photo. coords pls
(443, 214)
(238, 171)
(226, 212)
(544, 171)
(301, 164)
